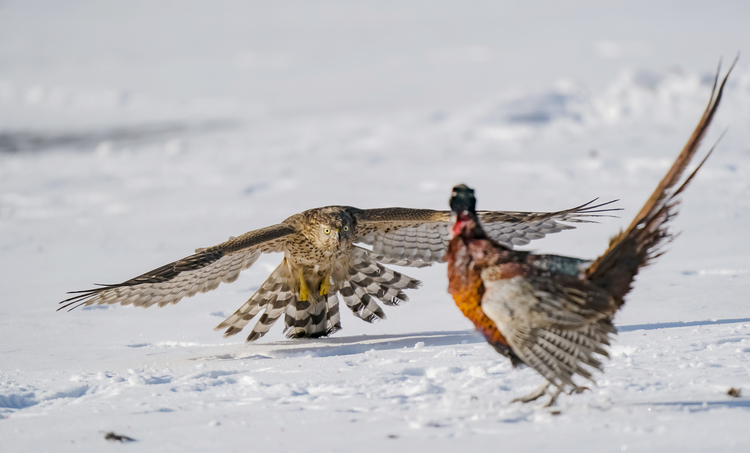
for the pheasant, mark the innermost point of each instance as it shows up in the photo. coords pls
(554, 313)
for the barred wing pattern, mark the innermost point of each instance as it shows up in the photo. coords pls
(366, 281)
(419, 237)
(399, 236)
(369, 280)
(272, 298)
(419, 245)
(305, 320)
(557, 326)
(198, 273)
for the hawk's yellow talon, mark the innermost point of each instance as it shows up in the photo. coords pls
(325, 285)
(304, 291)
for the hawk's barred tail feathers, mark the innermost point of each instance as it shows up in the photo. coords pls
(367, 281)
(313, 320)
(333, 319)
(274, 310)
(272, 295)
(360, 303)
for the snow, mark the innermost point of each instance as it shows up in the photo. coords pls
(134, 132)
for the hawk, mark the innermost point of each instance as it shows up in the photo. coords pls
(554, 313)
(322, 262)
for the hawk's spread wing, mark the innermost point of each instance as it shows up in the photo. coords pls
(197, 273)
(419, 237)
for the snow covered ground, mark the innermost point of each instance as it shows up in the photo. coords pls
(132, 133)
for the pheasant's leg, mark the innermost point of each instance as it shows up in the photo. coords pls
(533, 395)
(325, 285)
(577, 390)
(553, 397)
(304, 291)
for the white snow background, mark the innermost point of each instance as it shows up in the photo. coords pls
(133, 132)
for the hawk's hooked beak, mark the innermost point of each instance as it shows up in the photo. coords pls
(338, 235)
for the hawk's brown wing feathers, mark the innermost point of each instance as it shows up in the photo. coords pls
(520, 228)
(197, 273)
(420, 237)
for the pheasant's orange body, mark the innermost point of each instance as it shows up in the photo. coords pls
(467, 289)
(469, 301)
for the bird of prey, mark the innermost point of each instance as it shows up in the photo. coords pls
(321, 262)
(554, 313)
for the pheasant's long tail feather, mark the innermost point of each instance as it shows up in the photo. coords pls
(640, 243)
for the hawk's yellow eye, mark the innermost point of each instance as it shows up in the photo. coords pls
(327, 231)
(346, 227)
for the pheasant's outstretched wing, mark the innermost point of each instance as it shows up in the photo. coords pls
(419, 237)
(557, 325)
(197, 273)
(640, 243)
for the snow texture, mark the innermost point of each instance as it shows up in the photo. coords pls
(132, 133)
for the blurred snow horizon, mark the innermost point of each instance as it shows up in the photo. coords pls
(237, 59)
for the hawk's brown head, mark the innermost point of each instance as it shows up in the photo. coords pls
(331, 227)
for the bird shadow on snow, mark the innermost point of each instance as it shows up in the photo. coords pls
(669, 325)
(339, 346)
(699, 406)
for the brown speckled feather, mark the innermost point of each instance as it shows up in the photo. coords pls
(420, 236)
(194, 274)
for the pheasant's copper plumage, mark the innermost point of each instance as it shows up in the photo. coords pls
(554, 313)
(467, 290)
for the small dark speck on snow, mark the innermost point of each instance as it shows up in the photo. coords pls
(112, 437)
